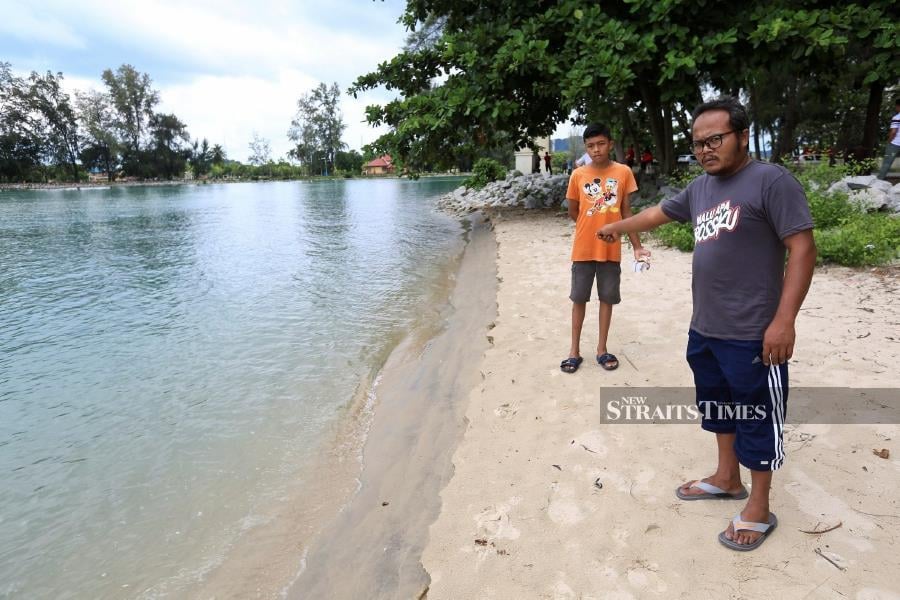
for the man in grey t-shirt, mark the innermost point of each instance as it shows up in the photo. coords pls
(746, 215)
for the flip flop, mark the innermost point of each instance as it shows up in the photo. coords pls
(604, 359)
(711, 492)
(740, 525)
(570, 365)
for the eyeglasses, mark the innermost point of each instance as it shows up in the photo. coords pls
(712, 142)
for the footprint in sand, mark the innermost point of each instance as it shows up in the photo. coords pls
(493, 522)
(646, 579)
(506, 411)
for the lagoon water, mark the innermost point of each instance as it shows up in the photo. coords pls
(171, 357)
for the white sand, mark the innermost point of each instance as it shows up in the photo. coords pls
(513, 525)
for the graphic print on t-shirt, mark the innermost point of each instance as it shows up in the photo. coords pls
(715, 220)
(603, 196)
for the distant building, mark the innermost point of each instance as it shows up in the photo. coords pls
(380, 166)
(524, 156)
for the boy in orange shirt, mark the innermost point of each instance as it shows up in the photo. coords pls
(598, 194)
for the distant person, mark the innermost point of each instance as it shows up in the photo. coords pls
(535, 162)
(646, 161)
(893, 142)
(746, 215)
(598, 194)
(629, 157)
(548, 162)
(569, 165)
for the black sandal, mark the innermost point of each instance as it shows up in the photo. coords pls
(571, 364)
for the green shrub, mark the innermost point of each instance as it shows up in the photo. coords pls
(829, 210)
(485, 171)
(863, 239)
(677, 235)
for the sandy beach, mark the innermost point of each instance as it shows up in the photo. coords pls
(523, 516)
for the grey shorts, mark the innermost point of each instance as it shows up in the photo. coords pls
(607, 274)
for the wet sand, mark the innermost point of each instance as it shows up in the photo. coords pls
(372, 549)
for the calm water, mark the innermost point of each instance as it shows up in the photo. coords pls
(169, 355)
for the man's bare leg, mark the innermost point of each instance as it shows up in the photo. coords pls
(728, 471)
(757, 508)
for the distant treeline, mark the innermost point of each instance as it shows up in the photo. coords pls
(46, 134)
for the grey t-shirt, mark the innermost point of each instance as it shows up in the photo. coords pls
(739, 222)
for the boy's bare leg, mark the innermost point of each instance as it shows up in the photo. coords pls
(605, 320)
(578, 310)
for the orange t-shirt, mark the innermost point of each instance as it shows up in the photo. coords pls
(600, 194)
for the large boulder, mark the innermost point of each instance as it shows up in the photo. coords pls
(839, 186)
(869, 199)
(860, 182)
(881, 184)
(893, 202)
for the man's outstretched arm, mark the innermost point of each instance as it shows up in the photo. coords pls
(645, 220)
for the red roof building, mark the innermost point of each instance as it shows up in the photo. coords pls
(380, 166)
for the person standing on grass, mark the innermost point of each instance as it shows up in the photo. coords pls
(598, 194)
(893, 142)
(746, 214)
(548, 162)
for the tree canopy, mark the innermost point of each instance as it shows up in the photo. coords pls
(499, 70)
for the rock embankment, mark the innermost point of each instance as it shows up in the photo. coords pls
(515, 191)
(542, 191)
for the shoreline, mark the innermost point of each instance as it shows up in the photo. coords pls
(379, 535)
(523, 516)
(74, 186)
(292, 545)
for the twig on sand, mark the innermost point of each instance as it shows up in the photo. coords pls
(816, 531)
(629, 362)
(819, 552)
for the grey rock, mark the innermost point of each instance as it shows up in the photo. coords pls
(839, 187)
(880, 184)
(860, 182)
(869, 199)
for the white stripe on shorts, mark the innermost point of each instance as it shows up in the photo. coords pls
(776, 394)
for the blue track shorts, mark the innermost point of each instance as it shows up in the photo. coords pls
(737, 393)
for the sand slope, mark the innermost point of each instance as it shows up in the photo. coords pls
(522, 517)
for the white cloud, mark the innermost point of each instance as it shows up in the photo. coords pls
(226, 68)
(227, 110)
(33, 27)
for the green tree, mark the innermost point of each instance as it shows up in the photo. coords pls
(317, 128)
(60, 126)
(517, 69)
(168, 155)
(134, 100)
(99, 142)
(21, 141)
(201, 158)
(217, 155)
(260, 150)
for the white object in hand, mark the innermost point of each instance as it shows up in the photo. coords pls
(641, 265)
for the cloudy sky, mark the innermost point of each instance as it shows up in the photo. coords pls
(226, 68)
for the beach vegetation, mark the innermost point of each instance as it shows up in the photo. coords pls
(811, 73)
(485, 171)
(316, 130)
